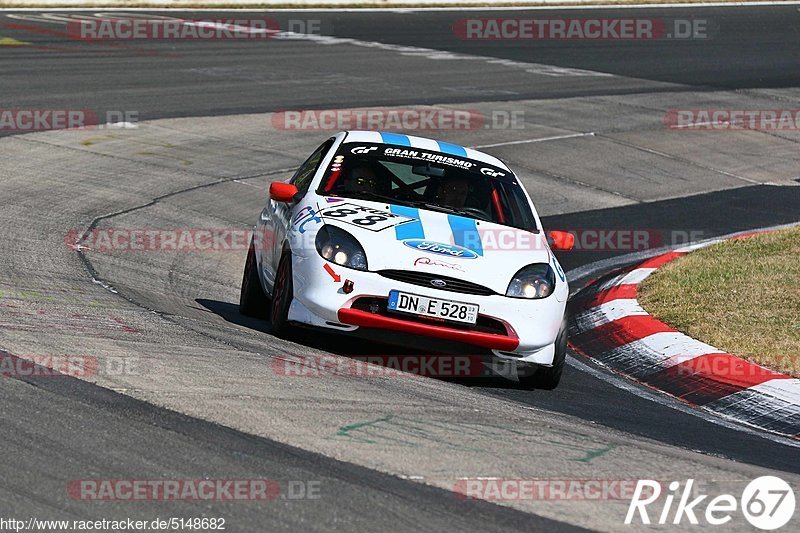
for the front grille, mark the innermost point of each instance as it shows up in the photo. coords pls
(424, 279)
(377, 306)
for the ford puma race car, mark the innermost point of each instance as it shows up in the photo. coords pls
(400, 239)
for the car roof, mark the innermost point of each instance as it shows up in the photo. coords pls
(424, 144)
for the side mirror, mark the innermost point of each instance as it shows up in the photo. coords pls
(282, 192)
(561, 240)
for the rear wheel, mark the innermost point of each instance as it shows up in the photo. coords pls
(548, 378)
(252, 300)
(282, 295)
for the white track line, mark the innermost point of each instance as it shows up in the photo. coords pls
(540, 139)
(248, 184)
(443, 55)
(433, 54)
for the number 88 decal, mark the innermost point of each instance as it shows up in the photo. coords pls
(340, 213)
(365, 217)
(369, 220)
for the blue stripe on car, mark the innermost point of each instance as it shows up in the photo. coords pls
(408, 230)
(465, 233)
(395, 138)
(452, 149)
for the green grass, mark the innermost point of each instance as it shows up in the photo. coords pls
(741, 296)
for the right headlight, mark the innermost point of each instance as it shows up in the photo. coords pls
(532, 282)
(337, 246)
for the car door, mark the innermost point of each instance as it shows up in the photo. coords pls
(276, 217)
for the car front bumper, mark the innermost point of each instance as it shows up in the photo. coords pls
(521, 330)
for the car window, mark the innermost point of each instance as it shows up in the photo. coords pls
(404, 174)
(429, 180)
(302, 178)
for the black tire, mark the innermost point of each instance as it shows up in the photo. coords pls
(252, 300)
(282, 295)
(548, 377)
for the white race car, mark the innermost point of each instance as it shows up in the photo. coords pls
(402, 239)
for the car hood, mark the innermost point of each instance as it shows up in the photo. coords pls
(404, 238)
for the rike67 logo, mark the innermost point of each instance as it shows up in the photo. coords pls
(767, 503)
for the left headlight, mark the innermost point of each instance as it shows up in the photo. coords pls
(532, 282)
(337, 246)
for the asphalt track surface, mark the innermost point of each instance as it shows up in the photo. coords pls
(207, 406)
(745, 48)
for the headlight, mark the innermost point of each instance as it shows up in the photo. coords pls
(534, 281)
(337, 246)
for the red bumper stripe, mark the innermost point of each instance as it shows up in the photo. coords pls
(356, 317)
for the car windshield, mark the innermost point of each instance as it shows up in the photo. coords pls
(428, 180)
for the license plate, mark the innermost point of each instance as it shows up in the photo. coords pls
(433, 307)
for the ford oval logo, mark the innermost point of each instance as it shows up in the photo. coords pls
(438, 283)
(440, 248)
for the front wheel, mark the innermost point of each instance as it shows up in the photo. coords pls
(252, 300)
(282, 295)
